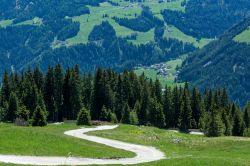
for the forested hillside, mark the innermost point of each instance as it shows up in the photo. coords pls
(142, 32)
(37, 98)
(224, 62)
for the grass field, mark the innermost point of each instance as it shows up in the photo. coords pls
(5, 23)
(243, 37)
(152, 72)
(173, 32)
(50, 141)
(191, 151)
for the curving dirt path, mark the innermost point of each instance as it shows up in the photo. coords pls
(143, 153)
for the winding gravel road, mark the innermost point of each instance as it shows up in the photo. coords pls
(143, 153)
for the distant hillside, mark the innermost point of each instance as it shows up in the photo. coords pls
(143, 32)
(224, 62)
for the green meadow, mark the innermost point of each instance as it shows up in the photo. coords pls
(51, 141)
(243, 37)
(192, 150)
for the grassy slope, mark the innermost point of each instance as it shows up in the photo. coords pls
(192, 151)
(244, 36)
(163, 79)
(5, 23)
(50, 141)
(173, 32)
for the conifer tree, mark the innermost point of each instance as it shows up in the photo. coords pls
(185, 117)
(39, 117)
(104, 114)
(23, 113)
(196, 105)
(247, 116)
(58, 92)
(112, 117)
(83, 117)
(75, 93)
(143, 112)
(97, 95)
(157, 117)
(5, 90)
(176, 105)
(66, 107)
(126, 114)
(167, 108)
(237, 123)
(215, 126)
(13, 108)
(133, 118)
(158, 91)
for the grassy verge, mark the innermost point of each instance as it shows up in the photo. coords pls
(50, 141)
(191, 151)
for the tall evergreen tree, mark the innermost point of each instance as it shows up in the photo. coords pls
(13, 108)
(215, 126)
(58, 92)
(247, 116)
(237, 123)
(185, 117)
(39, 117)
(157, 117)
(83, 117)
(126, 115)
(167, 108)
(158, 91)
(5, 90)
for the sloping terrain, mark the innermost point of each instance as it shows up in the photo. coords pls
(224, 62)
(48, 32)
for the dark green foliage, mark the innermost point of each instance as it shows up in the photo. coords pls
(246, 132)
(246, 116)
(215, 127)
(104, 114)
(157, 117)
(126, 115)
(185, 118)
(142, 23)
(23, 113)
(39, 117)
(112, 117)
(83, 117)
(237, 123)
(226, 66)
(207, 18)
(133, 118)
(13, 108)
(113, 97)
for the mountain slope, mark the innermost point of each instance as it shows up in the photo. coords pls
(224, 62)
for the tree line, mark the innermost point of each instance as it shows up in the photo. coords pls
(36, 98)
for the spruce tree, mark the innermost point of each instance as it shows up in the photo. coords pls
(185, 117)
(83, 117)
(237, 123)
(196, 105)
(158, 91)
(133, 118)
(5, 89)
(157, 117)
(112, 117)
(58, 92)
(39, 117)
(23, 113)
(247, 116)
(144, 104)
(215, 126)
(104, 114)
(126, 114)
(13, 108)
(167, 108)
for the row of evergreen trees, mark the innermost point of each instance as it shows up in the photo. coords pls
(127, 98)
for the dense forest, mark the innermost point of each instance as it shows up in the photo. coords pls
(224, 62)
(36, 98)
(208, 18)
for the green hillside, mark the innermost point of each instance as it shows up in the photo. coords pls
(224, 62)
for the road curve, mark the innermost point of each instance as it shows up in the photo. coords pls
(143, 153)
